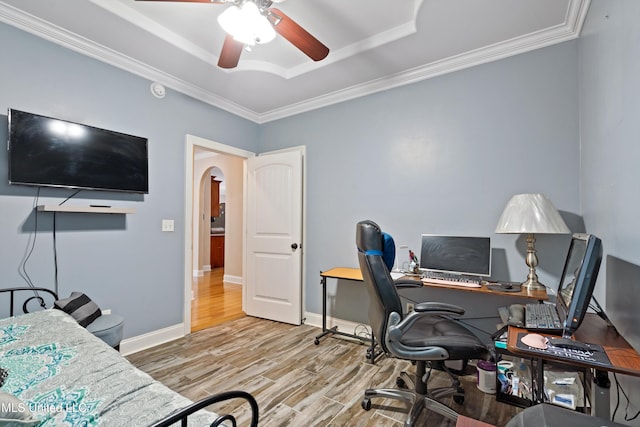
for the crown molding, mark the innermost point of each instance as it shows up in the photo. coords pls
(570, 30)
(76, 43)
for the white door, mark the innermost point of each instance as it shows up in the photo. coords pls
(274, 237)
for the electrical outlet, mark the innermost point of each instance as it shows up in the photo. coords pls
(409, 307)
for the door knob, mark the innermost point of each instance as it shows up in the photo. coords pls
(294, 246)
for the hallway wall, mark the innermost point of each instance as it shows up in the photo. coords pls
(233, 169)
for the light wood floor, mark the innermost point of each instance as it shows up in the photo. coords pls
(214, 302)
(296, 382)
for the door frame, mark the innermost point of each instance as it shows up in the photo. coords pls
(191, 142)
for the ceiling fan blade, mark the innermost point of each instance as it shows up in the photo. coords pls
(297, 36)
(230, 54)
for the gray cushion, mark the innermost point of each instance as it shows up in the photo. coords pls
(109, 328)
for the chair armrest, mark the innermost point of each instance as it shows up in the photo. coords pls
(407, 283)
(424, 309)
(396, 329)
(438, 308)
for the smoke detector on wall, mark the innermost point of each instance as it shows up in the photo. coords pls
(157, 90)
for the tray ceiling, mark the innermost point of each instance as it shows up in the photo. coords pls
(375, 45)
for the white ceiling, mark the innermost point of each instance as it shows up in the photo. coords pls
(375, 45)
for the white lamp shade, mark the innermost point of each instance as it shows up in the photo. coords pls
(531, 213)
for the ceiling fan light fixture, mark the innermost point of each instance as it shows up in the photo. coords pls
(247, 24)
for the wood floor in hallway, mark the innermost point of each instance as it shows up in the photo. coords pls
(215, 301)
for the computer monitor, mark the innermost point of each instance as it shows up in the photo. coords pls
(456, 255)
(578, 280)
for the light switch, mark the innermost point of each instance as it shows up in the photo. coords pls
(167, 225)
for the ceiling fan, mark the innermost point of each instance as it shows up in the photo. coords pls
(248, 22)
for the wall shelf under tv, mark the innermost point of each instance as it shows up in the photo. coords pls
(85, 209)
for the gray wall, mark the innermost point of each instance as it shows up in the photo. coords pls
(610, 128)
(122, 262)
(440, 156)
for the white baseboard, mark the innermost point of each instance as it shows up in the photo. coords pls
(232, 279)
(161, 336)
(151, 339)
(198, 273)
(347, 326)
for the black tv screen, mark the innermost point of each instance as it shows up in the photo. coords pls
(57, 153)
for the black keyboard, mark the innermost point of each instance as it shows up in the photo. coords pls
(542, 317)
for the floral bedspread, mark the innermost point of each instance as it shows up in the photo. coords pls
(68, 377)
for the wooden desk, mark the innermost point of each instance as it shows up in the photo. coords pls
(486, 309)
(347, 273)
(342, 273)
(624, 359)
(481, 304)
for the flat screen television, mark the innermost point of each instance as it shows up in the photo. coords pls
(458, 255)
(578, 280)
(45, 151)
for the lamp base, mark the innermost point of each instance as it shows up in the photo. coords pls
(532, 285)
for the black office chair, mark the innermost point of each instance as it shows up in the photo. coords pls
(428, 335)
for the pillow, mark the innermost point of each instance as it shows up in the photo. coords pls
(388, 250)
(14, 412)
(80, 307)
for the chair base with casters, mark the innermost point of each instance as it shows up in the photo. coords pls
(416, 396)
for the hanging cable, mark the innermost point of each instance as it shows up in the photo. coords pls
(626, 409)
(31, 244)
(55, 245)
(65, 200)
(55, 256)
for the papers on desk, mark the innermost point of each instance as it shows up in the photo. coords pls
(396, 275)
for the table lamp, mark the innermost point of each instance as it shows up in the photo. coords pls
(531, 214)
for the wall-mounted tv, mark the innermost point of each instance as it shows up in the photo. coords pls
(45, 151)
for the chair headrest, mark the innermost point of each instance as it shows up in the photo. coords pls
(368, 236)
(370, 239)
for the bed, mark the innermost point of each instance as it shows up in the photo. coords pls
(65, 376)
